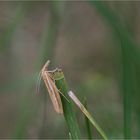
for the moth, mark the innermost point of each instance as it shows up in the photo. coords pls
(54, 93)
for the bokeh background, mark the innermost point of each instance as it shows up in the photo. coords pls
(97, 46)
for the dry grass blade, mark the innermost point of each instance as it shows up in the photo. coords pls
(83, 109)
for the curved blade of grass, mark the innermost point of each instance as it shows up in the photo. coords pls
(67, 106)
(129, 52)
(88, 115)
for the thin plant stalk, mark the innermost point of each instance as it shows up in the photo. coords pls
(87, 122)
(88, 115)
(130, 55)
(68, 111)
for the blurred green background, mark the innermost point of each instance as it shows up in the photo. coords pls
(97, 46)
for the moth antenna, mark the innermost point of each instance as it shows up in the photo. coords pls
(38, 82)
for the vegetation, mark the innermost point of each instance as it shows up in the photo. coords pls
(97, 46)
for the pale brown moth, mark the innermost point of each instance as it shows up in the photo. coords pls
(51, 87)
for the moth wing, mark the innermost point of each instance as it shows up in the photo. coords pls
(58, 98)
(53, 92)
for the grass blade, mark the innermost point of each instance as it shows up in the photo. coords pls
(129, 52)
(88, 128)
(67, 106)
(87, 114)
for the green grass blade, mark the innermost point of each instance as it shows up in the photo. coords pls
(87, 114)
(129, 52)
(67, 106)
(87, 123)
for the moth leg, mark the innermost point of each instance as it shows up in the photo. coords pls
(51, 76)
(63, 95)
